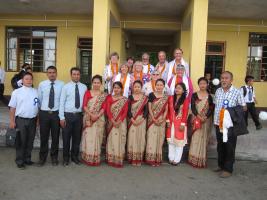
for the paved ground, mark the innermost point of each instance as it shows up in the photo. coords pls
(145, 182)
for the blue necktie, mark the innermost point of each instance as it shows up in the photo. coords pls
(51, 96)
(77, 97)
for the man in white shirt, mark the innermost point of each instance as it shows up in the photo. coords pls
(248, 92)
(147, 67)
(24, 105)
(49, 95)
(70, 114)
(2, 83)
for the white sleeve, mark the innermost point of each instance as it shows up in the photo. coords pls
(13, 100)
(62, 103)
(40, 95)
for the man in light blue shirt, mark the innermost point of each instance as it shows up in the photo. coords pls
(70, 114)
(49, 95)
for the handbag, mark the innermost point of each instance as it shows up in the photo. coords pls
(11, 137)
(196, 124)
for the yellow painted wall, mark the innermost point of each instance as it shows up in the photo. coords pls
(67, 37)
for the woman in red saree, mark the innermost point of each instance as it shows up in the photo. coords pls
(177, 128)
(158, 108)
(202, 108)
(93, 122)
(137, 114)
(116, 110)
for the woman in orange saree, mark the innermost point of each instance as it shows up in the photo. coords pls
(158, 107)
(116, 110)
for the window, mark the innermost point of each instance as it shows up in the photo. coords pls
(215, 56)
(33, 45)
(84, 59)
(257, 56)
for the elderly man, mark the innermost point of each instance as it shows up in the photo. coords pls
(147, 67)
(162, 66)
(227, 96)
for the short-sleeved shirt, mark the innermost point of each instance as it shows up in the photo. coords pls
(26, 102)
(234, 97)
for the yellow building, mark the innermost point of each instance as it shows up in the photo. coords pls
(215, 35)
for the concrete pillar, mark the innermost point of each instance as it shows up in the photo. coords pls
(198, 38)
(101, 29)
(194, 36)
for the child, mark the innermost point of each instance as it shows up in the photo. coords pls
(250, 99)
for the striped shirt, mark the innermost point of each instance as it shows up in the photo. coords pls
(234, 97)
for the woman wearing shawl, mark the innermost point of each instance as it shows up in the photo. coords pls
(93, 122)
(177, 128)
(137, 114)
(125, 78)
(202, 107)
(116, 110)
(179, 76)
(138, 73)
(158, 108)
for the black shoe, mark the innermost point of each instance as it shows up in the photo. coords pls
(54, 162)
(259, 127)
(21, 166)
(76, 161)
(41, 163)
(29, 162)
(65, 163)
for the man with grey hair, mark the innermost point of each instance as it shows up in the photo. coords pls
(147, 67)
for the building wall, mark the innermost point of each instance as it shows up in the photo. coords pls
(235, 33)
(68, 33)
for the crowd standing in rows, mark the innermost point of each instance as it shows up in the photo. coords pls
(131, 111)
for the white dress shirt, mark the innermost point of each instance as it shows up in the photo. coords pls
(44, 91)
(26, 102)
(2, 75)
(247, 94)
(67, 98)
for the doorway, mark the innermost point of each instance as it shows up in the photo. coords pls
(84, 60)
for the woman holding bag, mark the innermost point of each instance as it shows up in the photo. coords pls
(202, 107)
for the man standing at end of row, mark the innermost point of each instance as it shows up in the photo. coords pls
(70, 114)
(24, 105)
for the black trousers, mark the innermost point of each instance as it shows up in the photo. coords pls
(2, 89)
(49, 122)
(252, 110)
(72, 131)
(226, 151)
(24, 139)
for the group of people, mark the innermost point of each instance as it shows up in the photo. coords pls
(140, 107)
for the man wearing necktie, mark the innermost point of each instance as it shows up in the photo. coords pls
(70, 114)
(250, 98)
(49, 95)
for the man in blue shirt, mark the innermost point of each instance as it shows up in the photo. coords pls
(49, 95)
(70, 114)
